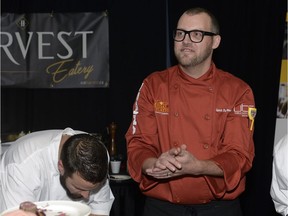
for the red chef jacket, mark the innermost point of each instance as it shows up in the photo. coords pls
(209, 115)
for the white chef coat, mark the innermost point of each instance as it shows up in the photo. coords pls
(29, 172)
(279, 184)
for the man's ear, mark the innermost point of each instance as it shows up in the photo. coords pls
(60, 167)
(216, 41)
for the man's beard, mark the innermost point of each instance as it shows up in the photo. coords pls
(69, 194)
(190, 61)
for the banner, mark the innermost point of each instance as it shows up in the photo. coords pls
(58, 50)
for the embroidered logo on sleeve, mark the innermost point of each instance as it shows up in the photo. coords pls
(241, 110)
(161, 107)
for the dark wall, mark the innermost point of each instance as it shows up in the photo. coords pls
(251, 48)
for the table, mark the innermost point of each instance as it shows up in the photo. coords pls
(129, 201)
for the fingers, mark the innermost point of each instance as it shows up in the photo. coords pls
(178, 151)
(160, 174)
(164, 167)
(174, 151)
(163, 174)
(173, 164)
(183, 147)
(168, 161)
(167, 165)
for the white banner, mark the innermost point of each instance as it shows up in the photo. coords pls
(60, 50)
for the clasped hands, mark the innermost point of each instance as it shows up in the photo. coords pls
(175, 162)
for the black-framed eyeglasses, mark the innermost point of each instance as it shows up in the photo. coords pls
(195, 36)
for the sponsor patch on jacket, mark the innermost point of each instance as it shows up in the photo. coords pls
(161, 107)
(241, 109)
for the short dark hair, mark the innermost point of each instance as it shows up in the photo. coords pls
(87, 155)
(214, 21)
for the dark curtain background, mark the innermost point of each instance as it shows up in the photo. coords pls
(251, 48)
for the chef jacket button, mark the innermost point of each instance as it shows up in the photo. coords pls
(210, 89)
(176, 86)
(176, 114)
(206, 146)
(175, 143)
(207, 117)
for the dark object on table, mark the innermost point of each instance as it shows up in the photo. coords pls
(129, 201)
